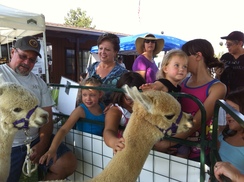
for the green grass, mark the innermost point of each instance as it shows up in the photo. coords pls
(33, 178)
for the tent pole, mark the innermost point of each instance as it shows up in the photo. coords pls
(45, 57)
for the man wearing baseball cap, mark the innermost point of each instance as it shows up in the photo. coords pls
(233, 73)
(23, 58)
(28, 43)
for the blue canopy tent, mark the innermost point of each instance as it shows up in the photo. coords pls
(127, 44)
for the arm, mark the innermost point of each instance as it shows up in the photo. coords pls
(217, 91)
(227, 169)
(68, 125)
(112, 120)
(142, 73)
(157, 85)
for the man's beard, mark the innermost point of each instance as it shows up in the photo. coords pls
(23, 73)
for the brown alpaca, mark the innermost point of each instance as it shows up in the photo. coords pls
(17, 105)
(153, 113)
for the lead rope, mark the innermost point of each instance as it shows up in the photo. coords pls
(28, 167)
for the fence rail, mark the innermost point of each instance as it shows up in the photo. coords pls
(93, 154)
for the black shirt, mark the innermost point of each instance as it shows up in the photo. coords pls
(233, 74)
(169, 85)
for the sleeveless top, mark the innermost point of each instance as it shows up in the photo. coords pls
(124, 119)
(89, 127)
(189, 106)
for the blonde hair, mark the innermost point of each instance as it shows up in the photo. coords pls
(92, 81)
(167, 58)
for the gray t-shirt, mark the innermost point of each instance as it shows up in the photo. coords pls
(37, 86)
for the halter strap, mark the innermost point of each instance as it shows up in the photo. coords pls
(174, 125)
(24, 120)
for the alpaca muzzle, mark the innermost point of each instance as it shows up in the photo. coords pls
(24, 120)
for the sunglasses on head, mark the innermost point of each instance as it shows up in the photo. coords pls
(110, 35)
(148, 41)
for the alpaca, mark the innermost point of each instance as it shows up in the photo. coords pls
(154, 114)
(18, 110)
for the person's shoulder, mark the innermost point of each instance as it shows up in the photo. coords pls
(120, 68)
(140, 58)
(114, 109)
(37, 78)
(226, 56)
(220, 136)
(93, 65)
(102, 105)
(79, 111)
(3, 66)
(218, 86)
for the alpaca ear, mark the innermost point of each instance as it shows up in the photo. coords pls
(134, 94)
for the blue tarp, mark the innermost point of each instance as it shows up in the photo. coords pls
(127, 44)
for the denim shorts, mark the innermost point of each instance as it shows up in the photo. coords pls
(18, 157)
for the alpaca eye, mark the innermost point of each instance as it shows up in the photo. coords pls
(17, 109)
(169, 117)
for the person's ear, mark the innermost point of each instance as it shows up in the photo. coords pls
(12, 52)
(198, 55)
(164, 68)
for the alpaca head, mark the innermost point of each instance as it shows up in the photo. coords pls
(18, 109)
(160, 109)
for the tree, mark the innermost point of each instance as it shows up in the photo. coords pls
(78, 18)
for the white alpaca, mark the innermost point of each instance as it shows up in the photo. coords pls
(153, 113)
(18, 109)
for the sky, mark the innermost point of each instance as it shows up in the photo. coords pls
(184, 19)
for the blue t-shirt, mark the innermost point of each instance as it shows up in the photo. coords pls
(232, 154)
(89, 127)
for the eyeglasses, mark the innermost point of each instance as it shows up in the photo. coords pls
(229, 44)
(24, 57)
(148, 41)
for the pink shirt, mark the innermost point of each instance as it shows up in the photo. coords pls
(189, 106)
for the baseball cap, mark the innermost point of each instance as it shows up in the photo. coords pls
(235, 35)
(28, 43)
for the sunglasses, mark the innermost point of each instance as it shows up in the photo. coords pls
(24, 57)
(148, 41)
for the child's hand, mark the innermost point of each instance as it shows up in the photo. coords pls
(154, 86)
(119, 145)
(146, 86)
(47, 157)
